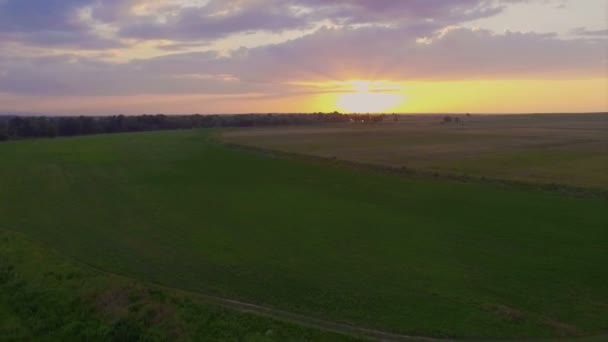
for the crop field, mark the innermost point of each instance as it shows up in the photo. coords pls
(561, 149)
(45, 296)
(410, 255)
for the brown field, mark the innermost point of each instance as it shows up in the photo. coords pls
(569, 149)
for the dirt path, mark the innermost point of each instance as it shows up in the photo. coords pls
(341, 328)
(285, 316)
(346, 329)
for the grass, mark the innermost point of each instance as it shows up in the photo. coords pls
(421, 257)
(561, 149)
(46, 297)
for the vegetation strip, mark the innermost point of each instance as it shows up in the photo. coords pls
(23, 127)
(568, 190)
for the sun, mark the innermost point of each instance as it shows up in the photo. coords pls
(368, 102)
(369, 97)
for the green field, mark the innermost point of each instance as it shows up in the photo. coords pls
(570, 149)
(44, 296)
(417, 256)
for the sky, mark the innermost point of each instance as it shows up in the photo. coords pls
(102, 57)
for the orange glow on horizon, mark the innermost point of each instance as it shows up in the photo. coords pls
(476, 96)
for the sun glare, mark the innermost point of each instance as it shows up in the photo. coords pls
(369, 97)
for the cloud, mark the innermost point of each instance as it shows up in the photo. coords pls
(36, 15)
(385, 53)
(329, 54)
(50, 23)
(221, 18)
(383, 11)
(583, 31)
(78, 40)
(216, 20)
(73, 23)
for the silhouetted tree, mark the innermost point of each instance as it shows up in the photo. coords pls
(3, 130)
(27, 127)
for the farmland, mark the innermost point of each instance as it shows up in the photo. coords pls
(44, 295)
(560, 149)
(411, 255)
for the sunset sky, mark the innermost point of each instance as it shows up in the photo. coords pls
(243, 56)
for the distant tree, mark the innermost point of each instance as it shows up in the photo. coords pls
(447, 119)
(68, 126)
(29, 127)
(87, 125)
(3, 130)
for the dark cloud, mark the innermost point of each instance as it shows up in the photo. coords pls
(39, 15)
(49, 23)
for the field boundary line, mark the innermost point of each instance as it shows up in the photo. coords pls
(561, 189)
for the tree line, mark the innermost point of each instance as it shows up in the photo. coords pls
(19, 127)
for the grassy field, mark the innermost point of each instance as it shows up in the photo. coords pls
(44, 296)
(421, 257)
(562, 149)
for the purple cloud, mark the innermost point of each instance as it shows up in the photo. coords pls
(57, 22)
(368, 39)
(327, 55)
(206, 24)
(220, 18)
(385, 53)
(39, 15)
